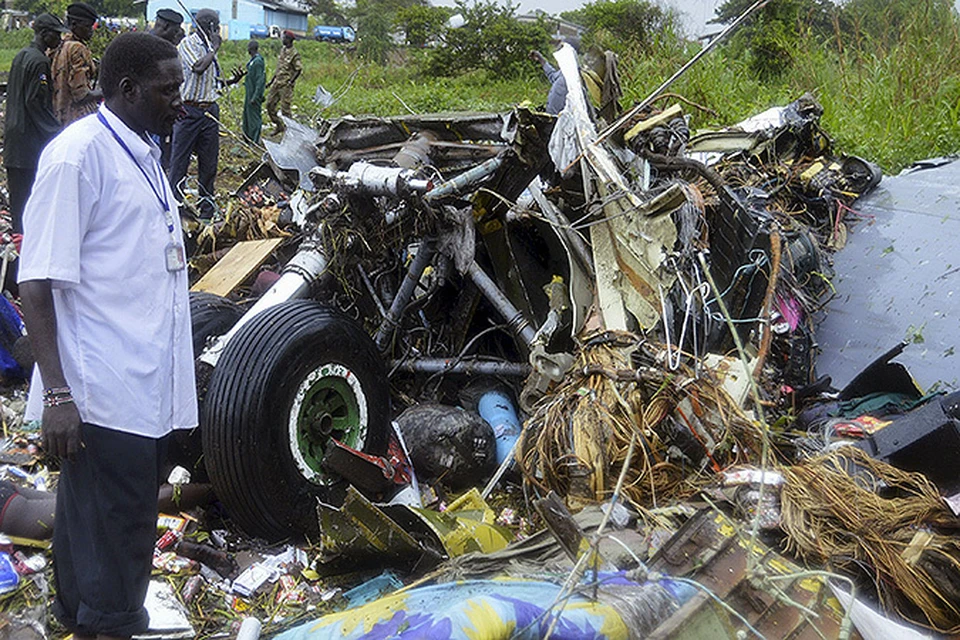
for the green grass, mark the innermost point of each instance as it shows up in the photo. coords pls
(373, 89)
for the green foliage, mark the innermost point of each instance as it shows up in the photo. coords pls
(34, 7)
(891, 101)
(373, 36)
(16, 39)
(492, 39)
(421, 24)
(375, 20)
(617, 24)
(772, 36)
(883, 22)
(117, 8)
(98, 43)
(326, 12)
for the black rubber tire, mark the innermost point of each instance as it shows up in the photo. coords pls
(210, 315)
(246, 430)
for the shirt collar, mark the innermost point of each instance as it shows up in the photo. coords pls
(139, 147)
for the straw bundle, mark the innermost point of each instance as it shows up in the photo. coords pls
(576, 440)
(852, 511)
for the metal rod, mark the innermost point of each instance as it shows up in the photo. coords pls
(515, 319)
(455, 367)
(464, 180)
(407, 287)
(646, 103)
(560, 221)
(502, 469)
(371, 291)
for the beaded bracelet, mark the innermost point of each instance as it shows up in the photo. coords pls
(57, 400)
(56, 391)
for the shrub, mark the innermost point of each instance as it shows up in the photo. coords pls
(620, 24)
(492, 38)
(421, 24)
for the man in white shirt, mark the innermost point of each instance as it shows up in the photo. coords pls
(104, 290)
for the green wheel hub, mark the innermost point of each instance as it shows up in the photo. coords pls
(329, 404)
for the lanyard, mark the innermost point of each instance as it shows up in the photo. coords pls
(162, 199)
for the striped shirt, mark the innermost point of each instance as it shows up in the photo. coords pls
(197, 87)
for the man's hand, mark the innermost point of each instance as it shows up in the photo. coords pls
(60, 429)
(236, 75)
(215, 40)
(536, 56)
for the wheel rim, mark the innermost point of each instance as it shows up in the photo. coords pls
(329, 403)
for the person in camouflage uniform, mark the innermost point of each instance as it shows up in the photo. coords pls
(289, 68)
(74, 72)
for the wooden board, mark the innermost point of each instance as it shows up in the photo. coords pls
(235, 267)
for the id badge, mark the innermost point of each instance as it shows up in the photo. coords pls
(174, 255)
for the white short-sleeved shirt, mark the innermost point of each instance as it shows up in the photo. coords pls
(94, 227)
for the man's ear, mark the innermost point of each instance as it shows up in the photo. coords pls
(129, 89)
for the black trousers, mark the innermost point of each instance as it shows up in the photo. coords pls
(200, 134)
(105, 531)
(19, 184)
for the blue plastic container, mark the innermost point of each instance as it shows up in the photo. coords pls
(9, 578)
(496, 408)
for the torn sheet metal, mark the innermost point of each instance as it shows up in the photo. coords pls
(461, 140)
(639, 233)
(362, 532)
(294, 152)
(898, 279)
(710, 549)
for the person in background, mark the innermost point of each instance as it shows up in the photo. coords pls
(30, 513)
(253, 93)
(289, 68)
(30, 122)
(557, 96)
(26, 513)
(74, 72)
(198, 130)
(103, 284)
(169, 26)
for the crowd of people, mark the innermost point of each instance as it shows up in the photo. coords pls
(96, 160)
(54, 82)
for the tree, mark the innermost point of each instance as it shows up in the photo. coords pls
(117, 8)
(107, 8)
(36, 7)
(421, 24)
(492, 38)
(328, 12)
(772, 36)
(374, 20)
(637, 22)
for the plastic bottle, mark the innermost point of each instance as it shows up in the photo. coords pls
(249, 629)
